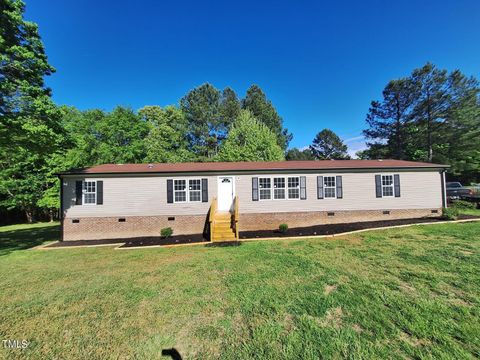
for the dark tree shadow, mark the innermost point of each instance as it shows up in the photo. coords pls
(22, 239)
(173, 353)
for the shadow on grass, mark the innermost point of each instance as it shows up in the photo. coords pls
(224, 244)
(25, 238)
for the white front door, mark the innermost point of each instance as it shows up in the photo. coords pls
(226, 192)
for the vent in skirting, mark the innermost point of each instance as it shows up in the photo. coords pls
(121, 220)
(330, 214)
(386, 212)
(75, 221)
(434, 211)
(171, 218)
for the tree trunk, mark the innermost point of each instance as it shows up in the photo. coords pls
(51, 215)
(29, 215)
(429, 129)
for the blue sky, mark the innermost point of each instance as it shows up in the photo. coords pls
(320, 62)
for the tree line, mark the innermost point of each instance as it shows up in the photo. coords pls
(430, 115)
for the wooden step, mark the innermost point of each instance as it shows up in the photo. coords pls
(224, 238)
(222, 226)
(223, 231)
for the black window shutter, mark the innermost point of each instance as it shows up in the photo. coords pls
(319, 187)
(378, 185)
(303, 188)
(396, 184)
(78, 192)
(100, 192)
(169, 191)
(255, 189)
(338, 182)
(204, 190)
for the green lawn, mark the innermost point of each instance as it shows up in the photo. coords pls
(401, 293)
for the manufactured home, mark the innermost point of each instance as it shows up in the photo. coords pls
(219, 199)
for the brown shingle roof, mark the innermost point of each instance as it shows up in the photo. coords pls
(252, 166)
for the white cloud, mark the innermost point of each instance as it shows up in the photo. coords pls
(361, 137)
(355, 144)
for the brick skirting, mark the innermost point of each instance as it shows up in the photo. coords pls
(271, 221)
(133, 226)
(137, 226)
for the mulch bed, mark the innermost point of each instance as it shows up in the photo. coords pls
(138, 241)
(331, 229)
(304, 231)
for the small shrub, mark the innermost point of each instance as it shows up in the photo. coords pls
(283, 228)
(450, 213)
(166, 232)
(462, 204)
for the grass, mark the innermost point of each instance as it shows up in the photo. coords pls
(400, 293)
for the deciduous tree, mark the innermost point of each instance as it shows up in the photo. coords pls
(250, 140)
(166, 141)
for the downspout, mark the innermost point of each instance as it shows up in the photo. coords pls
(61, 207)
(444, 190)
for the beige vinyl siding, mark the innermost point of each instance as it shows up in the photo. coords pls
(147, 195)
(419, 190)
(135, 196)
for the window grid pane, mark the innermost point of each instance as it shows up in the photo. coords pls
(264, 183)
(330, 186)
(89, 191)
(279, 183)
(279, 193)
(194, 184)
(180, 196)
(329, 192)
(294, 188)
(195, 196)
(293, 193)
(180, 184)
(387, 185)
(387, 191)
(293, 182)
(265, 194)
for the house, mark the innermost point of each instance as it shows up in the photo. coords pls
(219, 199)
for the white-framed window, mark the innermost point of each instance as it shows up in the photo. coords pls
(180, 190)
(294, 187)
(182, 194)
(265, 188)
(195, 190)
(330, 187)
(89, 192)
(279, 188)
(387, 186)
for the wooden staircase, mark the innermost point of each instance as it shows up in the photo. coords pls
(223, 224)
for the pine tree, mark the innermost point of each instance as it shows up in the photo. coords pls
(389, 119)
(264, 111)
(328, 146)
(201, 107)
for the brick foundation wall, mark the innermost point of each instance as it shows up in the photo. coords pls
(271, 221)
(95, 228)
(137, 226)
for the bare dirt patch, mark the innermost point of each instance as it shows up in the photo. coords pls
(329, 289)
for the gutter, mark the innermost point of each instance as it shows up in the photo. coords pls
(256, 171)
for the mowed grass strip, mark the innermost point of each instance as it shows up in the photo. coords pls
(400, 293)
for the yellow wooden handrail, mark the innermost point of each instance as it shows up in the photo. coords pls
(211, 217)
(235, 215)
